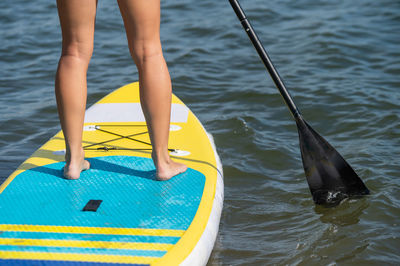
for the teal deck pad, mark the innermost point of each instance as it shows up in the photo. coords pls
(90, 237)
(73, 250)
(131, 197)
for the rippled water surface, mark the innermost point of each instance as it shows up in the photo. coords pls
(341, 61)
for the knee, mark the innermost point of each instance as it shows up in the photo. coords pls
(77, 51)
(142, 51)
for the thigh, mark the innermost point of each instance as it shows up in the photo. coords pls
(77, 19)
(142, 24)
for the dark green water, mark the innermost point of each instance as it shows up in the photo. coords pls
(341, 62)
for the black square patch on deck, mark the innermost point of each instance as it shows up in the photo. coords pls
(92, 205)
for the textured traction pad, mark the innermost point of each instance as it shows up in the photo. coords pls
(40, 198)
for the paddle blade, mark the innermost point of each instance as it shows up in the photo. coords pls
(330, 178)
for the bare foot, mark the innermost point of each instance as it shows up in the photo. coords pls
(73, 168)
(169, 170)
(73, 171)
(166, 168)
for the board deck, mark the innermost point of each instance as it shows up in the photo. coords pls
(117, 212)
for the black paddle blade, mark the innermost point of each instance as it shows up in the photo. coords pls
(330, 178)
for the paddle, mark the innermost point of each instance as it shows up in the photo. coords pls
(330, 178)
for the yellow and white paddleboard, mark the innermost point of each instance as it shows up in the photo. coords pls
(116, 213)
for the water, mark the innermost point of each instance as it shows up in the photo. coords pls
(341, 61)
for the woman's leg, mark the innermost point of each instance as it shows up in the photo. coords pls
(77, 19)
(142, 24)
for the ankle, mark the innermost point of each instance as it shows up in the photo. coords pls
(160, 158)
(74, 157)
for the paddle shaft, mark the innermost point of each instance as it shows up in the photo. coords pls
(265, 58)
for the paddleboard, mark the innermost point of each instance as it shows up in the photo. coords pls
(116, 212)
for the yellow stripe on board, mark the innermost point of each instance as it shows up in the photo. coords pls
(84, 244)
(91, 230)
(76, 257)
